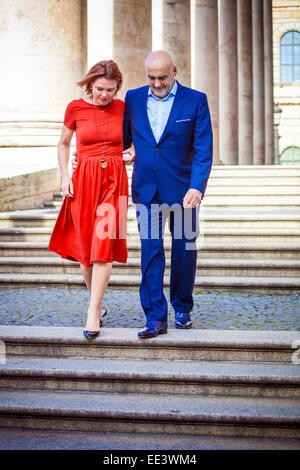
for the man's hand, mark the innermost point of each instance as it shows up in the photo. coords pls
(192, 198)
(74, 161)
(129, 155)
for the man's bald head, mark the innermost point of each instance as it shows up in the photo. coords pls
(159, 59)
(161, 72)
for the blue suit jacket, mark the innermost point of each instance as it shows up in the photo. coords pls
(182, 158)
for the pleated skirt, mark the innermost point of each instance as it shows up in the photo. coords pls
(92, 225)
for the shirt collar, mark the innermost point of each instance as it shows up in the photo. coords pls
(172, 93)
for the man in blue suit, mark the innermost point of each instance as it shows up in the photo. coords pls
(170, 127)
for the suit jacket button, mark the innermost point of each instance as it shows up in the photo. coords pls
(156, 148)
(154, 168)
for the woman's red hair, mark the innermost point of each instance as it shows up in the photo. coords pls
(107, 69)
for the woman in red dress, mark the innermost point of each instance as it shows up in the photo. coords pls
(91, 225)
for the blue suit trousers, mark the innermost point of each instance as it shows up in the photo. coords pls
(183, 225)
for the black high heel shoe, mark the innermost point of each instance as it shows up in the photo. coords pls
(103, 315)
(91, 334)
(95, 334)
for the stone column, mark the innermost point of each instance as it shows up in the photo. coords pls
(172, 32)
(245, 82)
(206, 61)
(258, 83)
(228, 90)
(100, 31)
(132, 39)
(121, 30)
(269, 98)
(40, 60)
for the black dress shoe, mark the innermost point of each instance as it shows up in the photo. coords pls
(183, 321)
(152, 330)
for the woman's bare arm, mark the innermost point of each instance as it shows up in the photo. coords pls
(63, 160)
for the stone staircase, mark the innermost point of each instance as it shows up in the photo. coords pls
(238, 384)
(250, 237)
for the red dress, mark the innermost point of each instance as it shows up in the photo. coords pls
(91, 226)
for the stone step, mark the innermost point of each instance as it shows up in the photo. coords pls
(239, 200)
(226, 200)
(264, 284)
(238, 190)
(253, 171)
(209, 235)
(41, 218)
(208, 250)
(239, 181)
(234, 235)
(210, 214)
(167, 414)
(246, 181)
(278, 202)
(151, 376)
(236, 221)
(25, 234)
(207, 267)
(188, 345)
(259, 170)
(28, 439)
(248, 171)
(20, 224)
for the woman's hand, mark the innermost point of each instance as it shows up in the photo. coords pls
(129, 155)
(67, 187)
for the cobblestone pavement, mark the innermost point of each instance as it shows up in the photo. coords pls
(65, 306)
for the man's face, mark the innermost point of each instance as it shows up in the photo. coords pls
(161, 79)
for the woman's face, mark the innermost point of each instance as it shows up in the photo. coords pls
(103, 91)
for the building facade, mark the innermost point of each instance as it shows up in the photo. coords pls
(223, 48)
(286, 53)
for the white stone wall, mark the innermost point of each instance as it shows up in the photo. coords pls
(41, 58)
